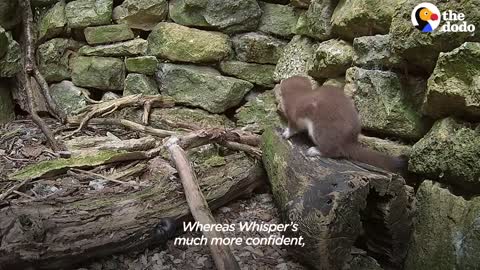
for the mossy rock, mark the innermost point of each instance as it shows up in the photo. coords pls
(140, 84)
(54, 57)
(258, 48)
(374, 52)
(53, 23)
(68, 97)
(105, 73)
(331, 59)
(108, 33)
(202, 87)
(255, 73)
(316, 21)
(141, 14)
(259, 113)
(181, 115)
(83, 13)
(295, 58)
(355, 18)
(278, 20)
(450, 152)
(383, 104)
(453, 88)
(446, 230)
(142, 64)
(132, 47)
(11, 62)
(179, 43)
(420, 49)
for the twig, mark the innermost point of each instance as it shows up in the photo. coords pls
(12, 189)
(28, 34)
(134, 126)
(26, 76)
(24, 195)
(222, 254)
(105, 177)
(108, 107)
(25, 80)
(250, 150)
(51, 105)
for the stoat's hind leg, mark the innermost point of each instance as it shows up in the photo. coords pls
(313, 152)
(289, 132)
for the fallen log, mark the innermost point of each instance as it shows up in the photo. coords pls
(340, 206)
(62, 232)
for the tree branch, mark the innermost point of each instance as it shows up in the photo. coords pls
(222, 254)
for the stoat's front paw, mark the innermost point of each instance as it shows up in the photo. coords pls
(287, 133)
(313, 152)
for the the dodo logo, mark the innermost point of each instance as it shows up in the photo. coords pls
(426, 17)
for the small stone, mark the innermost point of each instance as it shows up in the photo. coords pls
(295, 58)
(133, 47)
(54, 58)
(83, 13)
(279, 20)
(331, 59)
(258, 48)
(202, 87)
(141, 14)
(142, 64)
(103, 73)
(337, 82)
(53, 22)
(255, 73)
(108, 33)
(140, 84)
(179, 43)
(68, 97)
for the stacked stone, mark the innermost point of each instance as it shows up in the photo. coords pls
(422, 89)
(218, 57)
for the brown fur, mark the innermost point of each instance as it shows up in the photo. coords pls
(331, 120)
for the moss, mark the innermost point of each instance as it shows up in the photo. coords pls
(259, 113)
(450, 152)
(51, 167)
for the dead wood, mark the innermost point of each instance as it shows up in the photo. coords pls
(340, 206)
(55, 234)
(30, 73)
(222, 254)
(108, 107)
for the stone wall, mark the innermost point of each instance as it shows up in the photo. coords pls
(221, 58)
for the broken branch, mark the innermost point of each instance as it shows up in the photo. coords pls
(222, 254)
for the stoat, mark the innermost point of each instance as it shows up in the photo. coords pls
(332, 123)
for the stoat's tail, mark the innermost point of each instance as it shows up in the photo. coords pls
(360, 153)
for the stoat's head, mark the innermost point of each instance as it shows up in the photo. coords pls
(289, 89)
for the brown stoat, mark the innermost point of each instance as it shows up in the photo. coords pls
(332, 123)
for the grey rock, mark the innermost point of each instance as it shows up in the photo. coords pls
(202, 87)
